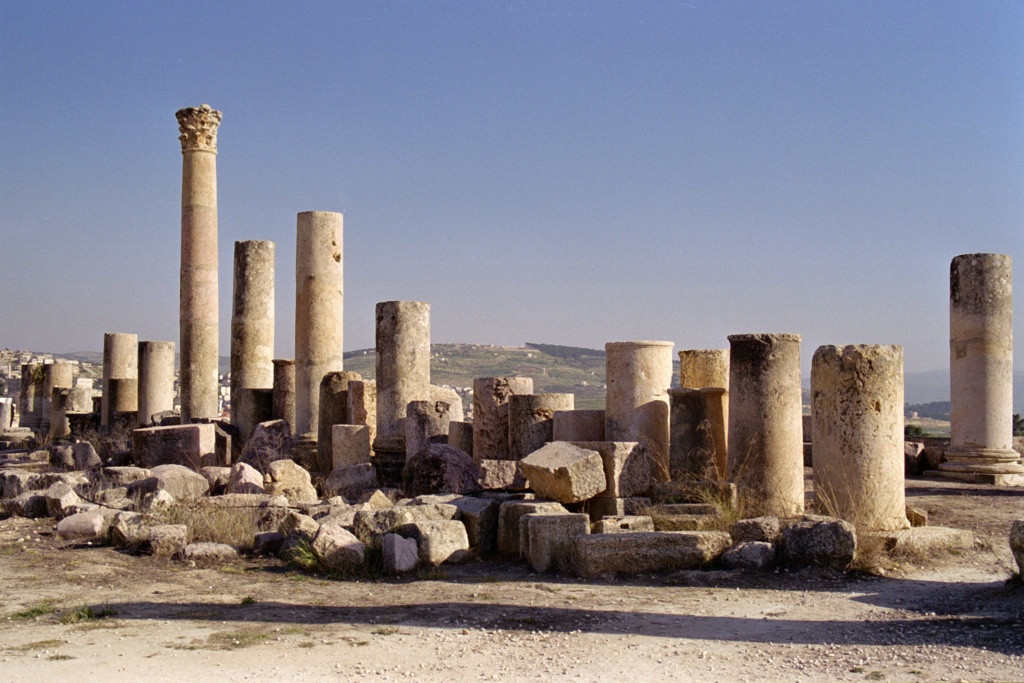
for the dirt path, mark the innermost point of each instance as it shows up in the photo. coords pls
(950, 618)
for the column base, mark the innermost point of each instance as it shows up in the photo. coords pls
(982, 460)
(978, 477)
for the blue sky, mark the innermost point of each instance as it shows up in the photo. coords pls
(561, 172)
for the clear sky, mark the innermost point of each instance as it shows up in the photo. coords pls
(560, 172)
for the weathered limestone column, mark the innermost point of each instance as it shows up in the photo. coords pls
(333, 407)
(198, 316)
(60, 398)
(56, 375)
(698, 448)
(426, 422)
(639, 374)
(319, 308)
(765, 424)
(981, 370)
(403, 367)
(857, 427)
(120, 361)
(490, 414)
(531, 421)
(31, 395)
(252, 320)
(701, 368)
(284, 391)
(156, 379)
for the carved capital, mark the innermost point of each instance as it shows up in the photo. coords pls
(198, 126)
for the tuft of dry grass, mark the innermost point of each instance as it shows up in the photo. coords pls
(207, 524)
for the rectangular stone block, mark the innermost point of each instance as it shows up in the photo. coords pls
(187, 445)
(501, 475)
(480, 516)
(651, 551)
(578, 425)
(627, 467)
(622, 525)
(509, 515)
(599, 508)
(362, 405)
(550, 537)
(350, 444)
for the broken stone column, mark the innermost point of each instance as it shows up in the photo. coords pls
(765, 424)
(6, 415)
(981, 371)
(120, 362)
(698, 450)
(700, 368)
(578, 425)
(857, 426)
(57, 375)
(531, 421)
(426, 422)
(490, 414)
(333, 406)
(199, 311)
(639, 374)
(362, 405)
(250, 408)
(30, 410)
(403, 368)
(319, 309)
(156, 380)
(284, 391)
(59, 399)
(252, 321)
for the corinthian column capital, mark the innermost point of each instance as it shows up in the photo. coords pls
(198, 126)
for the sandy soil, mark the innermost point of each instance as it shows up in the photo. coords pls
(948, 617)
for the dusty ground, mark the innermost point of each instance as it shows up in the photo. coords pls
(950, 617)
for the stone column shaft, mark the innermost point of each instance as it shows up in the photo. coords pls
(252, 319)
(639, 374)
(531, 421)
(120, 361)
(156, 379)
(765, 424)
(699, 422)
(426, 422)
(56, 375)
(981, 369)
(403, 367)
(704, 368)
(857, 427)
(490, 414)
(199, 314)
(333, 406)
(284, 391)
(319, 309)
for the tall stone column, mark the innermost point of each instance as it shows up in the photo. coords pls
(319, 308)
(857, 427)
(198, 315)
(704, 368)
(765, 422)
(252, 320)
(403, 368)
(120, 362)
(639, 374)
(283, 403)
(156, 379)
(981, 371)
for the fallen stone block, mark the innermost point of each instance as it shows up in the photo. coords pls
(219, 478)
(549, 539)
(160, 500)
(749, 555)
(15, 483)
(245, 478)
(440, 468)
(84, 527)
(685, 517)
(291, 481)
(267, 543)
(30, 504)
(623, 524)
(647, 551)
(337, 549)
(439, 541)
(179, 481)
(351, 481)
(924, 539)
(209, 553)
(480, 516)
(627, 467)
(766, 529)
(598, 508)
(820, 541)
(502, 475)
(267, 442)
(509, 515)
(401, 554)
(60, 498)
(86, 457)
(62, 456)
(371, 525)
(123, 476)
(565, 473)
(191, 446)
(167, 540)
